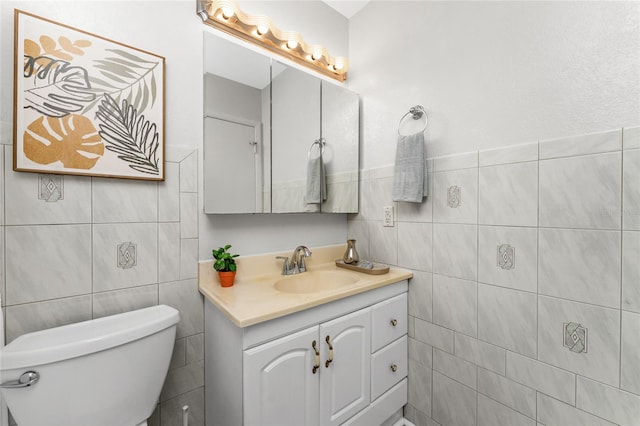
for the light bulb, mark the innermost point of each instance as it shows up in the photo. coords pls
(227, 12)
(292, 44)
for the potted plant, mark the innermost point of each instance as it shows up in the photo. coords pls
(225, 264)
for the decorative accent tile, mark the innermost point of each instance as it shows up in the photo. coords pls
(126, 255)
(51, 188)
(575, 337)
(454, 196)
(506, 256)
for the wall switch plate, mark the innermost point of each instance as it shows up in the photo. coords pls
(387, 218)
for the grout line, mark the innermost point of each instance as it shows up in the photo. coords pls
(622, 206)
(538, 265)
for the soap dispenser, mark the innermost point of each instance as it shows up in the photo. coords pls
(351, 255)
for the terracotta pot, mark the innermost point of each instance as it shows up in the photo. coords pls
(226, 278)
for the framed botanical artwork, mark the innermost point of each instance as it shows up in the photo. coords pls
(84, 104)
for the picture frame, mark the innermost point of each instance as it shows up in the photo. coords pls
(85, 104)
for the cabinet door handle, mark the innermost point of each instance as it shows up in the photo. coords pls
(394, 368)
(314, 345)
(394, 322)
(330, 360)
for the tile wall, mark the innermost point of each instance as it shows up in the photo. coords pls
(77, 248)
(525, 302)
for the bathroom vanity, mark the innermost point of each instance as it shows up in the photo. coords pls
(288, 351)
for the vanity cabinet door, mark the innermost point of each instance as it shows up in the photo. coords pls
(345, 369)
(280, 387)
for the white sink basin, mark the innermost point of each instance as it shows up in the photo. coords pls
(314, 282)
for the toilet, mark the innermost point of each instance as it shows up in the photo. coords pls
(103, 372)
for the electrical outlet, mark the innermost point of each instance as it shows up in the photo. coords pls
(387, 218)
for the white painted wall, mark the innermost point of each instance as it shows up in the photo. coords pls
(492, 74)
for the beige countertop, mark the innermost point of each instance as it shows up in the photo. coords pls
(254, 299)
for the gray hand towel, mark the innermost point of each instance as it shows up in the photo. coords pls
(410, 174)
(316, 182)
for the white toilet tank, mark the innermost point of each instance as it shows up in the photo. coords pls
(104, 372)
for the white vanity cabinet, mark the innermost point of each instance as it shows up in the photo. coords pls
(341, 362)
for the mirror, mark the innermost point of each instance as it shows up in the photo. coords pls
(276, 139)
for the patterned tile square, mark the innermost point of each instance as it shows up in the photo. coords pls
(508, 257)
(455, 304)
(581, 192)
(455, 196)
(114, 246)
(508, 195)
(582, 265)
(456, 253)
(122, 200)
(415, 245)
(597, 354)
(507, 318)
(59, 267)
(39, 199)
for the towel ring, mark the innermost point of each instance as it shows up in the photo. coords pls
(321, 143)
(416, 113)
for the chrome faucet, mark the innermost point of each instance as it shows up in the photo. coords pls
(296, 264)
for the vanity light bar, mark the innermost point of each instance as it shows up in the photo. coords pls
(226, 16)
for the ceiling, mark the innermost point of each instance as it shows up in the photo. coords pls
(347, 8)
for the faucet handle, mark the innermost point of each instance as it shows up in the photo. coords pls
(285, 265)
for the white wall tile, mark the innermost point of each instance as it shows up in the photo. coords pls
(508, 195)
(47, 262)
(631, 137)
(359, 230)
(455, 368)
(188, 215)
(374, 195)
(552, 412)
(583, 144)
(601, 360)
(62, 198)
(581, 192)
(480, 353)
(383, 243)
(508, 257)
(171, 410)
(110, 271)
(455, 196)
(464, 160)
(419, 394)
(455, 304)
(169, 251)
(581, 265)
(184, 296)
(181, 380)
(169, 194)
(421, 295)
(553, 381)
(608, 402)
(507, 392)
(119, 301)
(421, 353)
(631, 190)
(631, 271)
(492, 413)
(507, 318)
(189, 173)
(188, 258)
(630, 352)
(195, 348)
(456, 253)
(415, 245)
(453, 403)
(122, 200)
(32, 317)
(434, 335)
(510, 154)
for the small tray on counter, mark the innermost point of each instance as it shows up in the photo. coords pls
(377, 269)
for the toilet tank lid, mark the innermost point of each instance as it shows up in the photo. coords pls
(82, 338)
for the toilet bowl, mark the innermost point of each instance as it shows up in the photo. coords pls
(103, 372)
